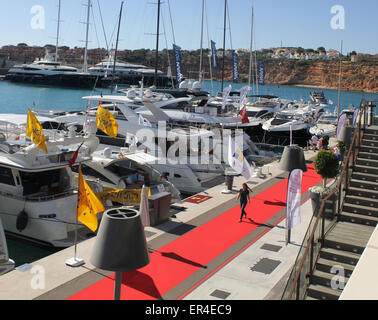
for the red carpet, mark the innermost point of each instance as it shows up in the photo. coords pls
(178, 260)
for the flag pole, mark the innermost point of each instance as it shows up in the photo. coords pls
(288, 222)
(75, 241)
(76, 262)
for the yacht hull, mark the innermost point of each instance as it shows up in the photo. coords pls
(61, 80)
(39, 226)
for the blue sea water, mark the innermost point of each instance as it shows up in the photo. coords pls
(17, 98)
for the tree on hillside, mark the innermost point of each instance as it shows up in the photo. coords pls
(321, 49)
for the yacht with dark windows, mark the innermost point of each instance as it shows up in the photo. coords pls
(128, 73)
(318, 97)
(47, 71)
(38, 195)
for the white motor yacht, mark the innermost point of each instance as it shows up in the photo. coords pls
(47, 71)
(112, 168)
(319, 98)
(37, 192)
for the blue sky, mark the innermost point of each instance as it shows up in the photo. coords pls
(304, 23)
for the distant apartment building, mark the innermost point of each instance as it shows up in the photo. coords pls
(364, 57)
(301, 54)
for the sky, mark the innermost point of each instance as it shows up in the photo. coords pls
(294, 23)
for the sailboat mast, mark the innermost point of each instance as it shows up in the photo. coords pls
(209, 45)
(250, 51)
(339, 95)
(157, 44)
(116, 49)
(224, 39)
(85, 66)
(57, 33)
(201, 51)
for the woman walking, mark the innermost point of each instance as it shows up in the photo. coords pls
(244, 199)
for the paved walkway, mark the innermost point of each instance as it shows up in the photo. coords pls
(229, 273)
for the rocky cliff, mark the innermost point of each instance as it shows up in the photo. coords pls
(355, 76)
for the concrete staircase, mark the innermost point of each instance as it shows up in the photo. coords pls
(345, 243)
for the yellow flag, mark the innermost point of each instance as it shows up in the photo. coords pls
(88, 205)
(106, 122)
(35, 131)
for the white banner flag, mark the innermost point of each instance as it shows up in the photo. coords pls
(236, 159)
(340, 124)
(243, 94)
(355, 116)
(293, 201)
(144, 209)
(225, 94)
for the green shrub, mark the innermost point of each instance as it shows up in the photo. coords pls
(341, 147)
(326, 164)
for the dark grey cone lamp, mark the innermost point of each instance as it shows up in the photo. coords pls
(120, 244)
(292, 158)
(345, 136)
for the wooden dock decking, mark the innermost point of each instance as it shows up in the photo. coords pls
(351, 234)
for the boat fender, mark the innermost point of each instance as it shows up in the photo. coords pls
(22, 220)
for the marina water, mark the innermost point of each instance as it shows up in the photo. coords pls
(17, 98)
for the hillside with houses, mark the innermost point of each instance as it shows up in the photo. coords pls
(283, 66)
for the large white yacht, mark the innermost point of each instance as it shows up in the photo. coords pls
(47, 71)
(128, 73)
(37, 192)
(106, 67)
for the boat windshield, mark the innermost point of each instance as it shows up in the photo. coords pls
(283, 116)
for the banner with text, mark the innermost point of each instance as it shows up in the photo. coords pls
(177, 55)
(213, 55)
(261, 69)
(234, 67)
(121, 195)
(293, 202)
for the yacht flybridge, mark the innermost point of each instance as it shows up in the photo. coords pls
(37, 193)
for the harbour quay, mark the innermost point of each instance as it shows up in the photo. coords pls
(177, 244)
